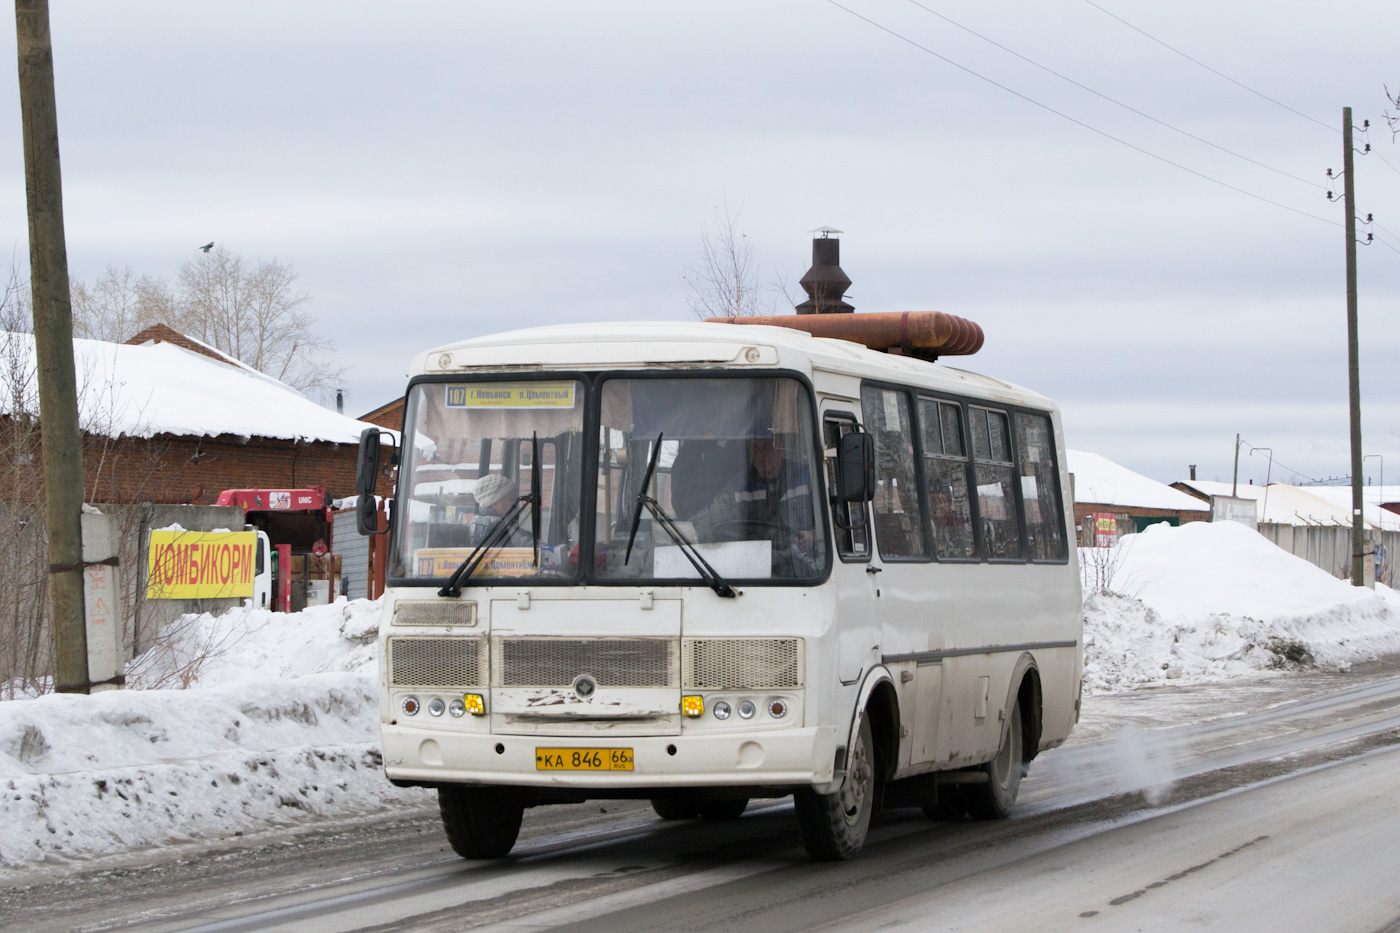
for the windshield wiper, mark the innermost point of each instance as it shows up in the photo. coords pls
(503, 528)
(702, 567)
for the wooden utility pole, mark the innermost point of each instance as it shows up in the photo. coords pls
(1358, 525)
(53, 346)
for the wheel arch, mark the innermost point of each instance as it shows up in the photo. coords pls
(878, 701)
(1026, 692)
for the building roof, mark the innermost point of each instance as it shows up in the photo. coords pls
(1100, 481)
(163, 387)
(1284, 504)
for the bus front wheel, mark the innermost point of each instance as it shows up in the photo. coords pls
(833, 826)
(481, 822)
(994, 799)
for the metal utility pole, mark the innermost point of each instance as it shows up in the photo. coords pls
(1358, 526)
(53, 345)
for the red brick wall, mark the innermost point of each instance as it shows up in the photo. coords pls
(195, 470)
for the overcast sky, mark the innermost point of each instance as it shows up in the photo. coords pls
(439, 170)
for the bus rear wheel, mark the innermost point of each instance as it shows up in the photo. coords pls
(723, 809)
(994, 799)
(833, 826)
(675, 808)
(481, 822)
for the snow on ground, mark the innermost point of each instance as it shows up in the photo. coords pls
(1212, 600)
(279, 720)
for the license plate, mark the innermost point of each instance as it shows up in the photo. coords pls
(583, 759)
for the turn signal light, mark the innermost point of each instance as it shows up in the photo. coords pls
(475, 703)
(693, 706)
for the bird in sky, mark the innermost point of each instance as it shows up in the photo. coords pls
(208, 246)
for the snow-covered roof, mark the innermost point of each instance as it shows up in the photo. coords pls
(1100, 481)
(1284, 504)
(162, 388)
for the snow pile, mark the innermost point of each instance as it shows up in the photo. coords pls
(1212, 600)
(282, 722)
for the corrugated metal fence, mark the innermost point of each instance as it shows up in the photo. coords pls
(1329, 547)
(353, 549)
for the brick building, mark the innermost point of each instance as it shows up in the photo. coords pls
(1102, 486)
(167, 419)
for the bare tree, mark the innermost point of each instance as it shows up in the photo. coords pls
(723, 282)
(254, 312)
(119, 304)
(1392, 119)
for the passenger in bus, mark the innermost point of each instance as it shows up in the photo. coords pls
(769, 498)
(495, 495)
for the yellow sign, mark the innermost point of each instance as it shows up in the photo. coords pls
(499, 562)
(200, 564)
(511, 395)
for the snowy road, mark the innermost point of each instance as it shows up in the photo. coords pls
(1273, 809)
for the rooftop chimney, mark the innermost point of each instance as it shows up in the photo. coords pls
(825, 283)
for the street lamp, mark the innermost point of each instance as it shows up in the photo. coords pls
(1380, 495)
(1267, 474)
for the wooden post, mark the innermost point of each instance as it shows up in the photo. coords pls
(53, 346)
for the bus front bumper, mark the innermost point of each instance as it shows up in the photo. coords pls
(787, 758)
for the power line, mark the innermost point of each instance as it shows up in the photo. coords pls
(1277, 462)
(1111, 100)
(1077, 122)
(1209, 68)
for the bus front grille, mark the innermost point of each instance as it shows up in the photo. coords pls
(436, 662)
(611, 662)
(742, 663)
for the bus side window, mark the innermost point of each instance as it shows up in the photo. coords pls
(1040, 487)
(850, 520)
(996, 496)
(945, 472)
(899, 522)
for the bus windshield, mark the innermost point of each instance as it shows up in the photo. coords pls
(467, 462)
(735, 472)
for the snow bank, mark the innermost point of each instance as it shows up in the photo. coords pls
(281, 723)
(1212, 600)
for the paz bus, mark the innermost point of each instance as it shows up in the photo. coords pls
(702, 563)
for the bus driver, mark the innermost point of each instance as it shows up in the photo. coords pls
(770, 498)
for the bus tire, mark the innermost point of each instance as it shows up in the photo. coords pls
(994, 799)
(833, 826)
(481, 822)
(675, 808)
(730, 809)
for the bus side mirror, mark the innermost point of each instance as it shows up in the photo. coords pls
(855, 468)
(366, 479)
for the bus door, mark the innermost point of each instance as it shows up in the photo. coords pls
(912, 637)
(855, 578)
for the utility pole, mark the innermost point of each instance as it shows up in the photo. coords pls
(53, 346)
(1358, 527)
(1235, 483)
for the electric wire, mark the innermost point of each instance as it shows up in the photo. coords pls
(1280, 463)
(1112, 100)
(1078, 122)
(1386, 161)
(1210, 69)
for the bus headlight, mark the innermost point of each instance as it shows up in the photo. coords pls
(456, 709)
(747, 709)
(436, 707)
(693, 706)
(721, 710)
(777, 707)
(475, 703)
(409, 706)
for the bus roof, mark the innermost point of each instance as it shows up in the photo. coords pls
(688, 345)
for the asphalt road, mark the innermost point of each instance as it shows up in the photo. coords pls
(1244, 806)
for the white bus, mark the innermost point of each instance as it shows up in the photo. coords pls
(701, 564)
